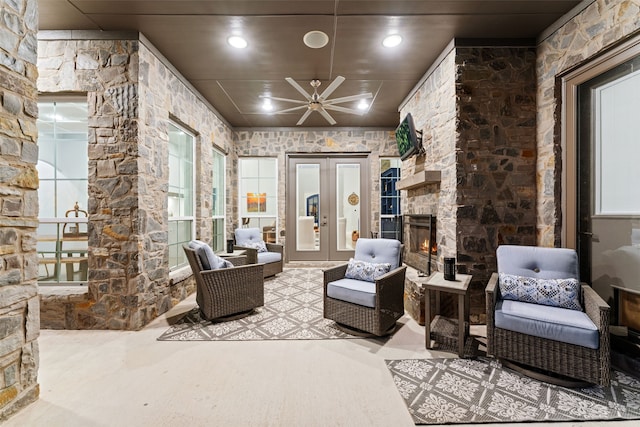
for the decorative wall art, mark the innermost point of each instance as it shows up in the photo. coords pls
(256, 202)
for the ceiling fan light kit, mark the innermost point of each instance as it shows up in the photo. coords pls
(320, 102)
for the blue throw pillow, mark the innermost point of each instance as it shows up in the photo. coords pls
(367, 271)
(563, 293)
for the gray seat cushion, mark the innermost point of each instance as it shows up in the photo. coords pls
(267, 257)
(353, 291)
(554, 323)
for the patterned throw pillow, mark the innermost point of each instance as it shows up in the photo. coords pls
(564, 293)
(259, 245)
(362, 270)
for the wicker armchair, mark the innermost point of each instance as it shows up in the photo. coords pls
(248, 239)
(367, 307)
(226, 292)
(545, 345)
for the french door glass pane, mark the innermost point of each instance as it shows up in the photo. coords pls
(347, 205)
(308, 206)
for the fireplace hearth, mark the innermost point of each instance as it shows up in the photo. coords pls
(420, 242)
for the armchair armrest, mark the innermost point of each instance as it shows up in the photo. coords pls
(275, 247)
(237, 261)
(391, 285)
(334, 273)
(491, 291)
(491, 296)
(223, 278)
(596, 308)
(251, 253)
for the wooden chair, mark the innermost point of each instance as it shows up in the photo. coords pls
(74, 232)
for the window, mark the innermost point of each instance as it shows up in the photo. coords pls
(390, 225)
(218, 208)
(63, 172)
(181, 190)
(259, 194)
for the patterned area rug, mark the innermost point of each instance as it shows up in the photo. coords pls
(292, 311)
(440, 391)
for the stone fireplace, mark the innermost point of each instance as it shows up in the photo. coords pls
(420, 242)
(477, 113)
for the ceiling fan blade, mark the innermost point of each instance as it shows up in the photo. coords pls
(304, 117)
(344, 110)
(298, 88)
(288, 110)
(295, 101)
(326, 116)
(347, 98)
(333, 86)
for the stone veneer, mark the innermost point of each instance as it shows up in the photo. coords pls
(601, 25)
(132, 94)
(477, 113)
(19, 305)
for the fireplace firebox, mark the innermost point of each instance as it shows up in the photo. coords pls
(421, 242)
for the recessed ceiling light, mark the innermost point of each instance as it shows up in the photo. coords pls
(392, 40)
(267, 105)
(363, 105)
(315, 39)
(237, 42)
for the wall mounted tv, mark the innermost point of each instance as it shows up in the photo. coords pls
(408, 139)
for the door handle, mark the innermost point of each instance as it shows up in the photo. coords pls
(593, 237)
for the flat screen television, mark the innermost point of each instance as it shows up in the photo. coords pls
(407, 138)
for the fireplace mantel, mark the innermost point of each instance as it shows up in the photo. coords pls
(418, 179)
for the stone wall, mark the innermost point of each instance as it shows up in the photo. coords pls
(19, 306)
(596, 28)
(277, 143)
(477, 113)
(433, 108)
(495, 90)
(132, 94)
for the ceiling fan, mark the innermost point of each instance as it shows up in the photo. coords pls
(319, 102)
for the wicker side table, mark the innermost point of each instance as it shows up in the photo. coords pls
(237, 257)
(449, 334)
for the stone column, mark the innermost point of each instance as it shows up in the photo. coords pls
(19, 306)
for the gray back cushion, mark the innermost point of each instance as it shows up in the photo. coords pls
(538, 262)
(378, 251)
(247, 235)
(208, 259)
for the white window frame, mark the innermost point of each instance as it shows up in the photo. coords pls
(222, 198)
(398, 198)
(191, 218)
(52, 227)
(261, 218)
